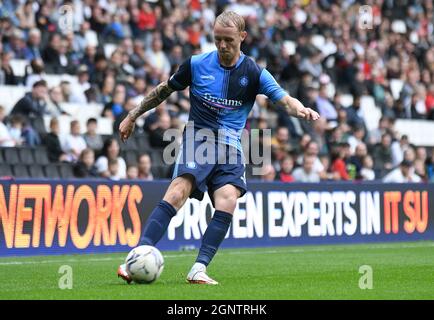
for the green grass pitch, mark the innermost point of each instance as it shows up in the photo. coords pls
(400, 271)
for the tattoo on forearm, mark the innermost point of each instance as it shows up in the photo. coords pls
(153, 99)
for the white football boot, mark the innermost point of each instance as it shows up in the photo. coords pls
(197, 275)
(122, 272)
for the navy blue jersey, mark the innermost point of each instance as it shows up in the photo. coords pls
(221, 98)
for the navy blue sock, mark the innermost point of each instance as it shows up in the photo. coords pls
(214, 235)
(157, 223)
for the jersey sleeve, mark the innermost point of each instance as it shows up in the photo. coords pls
(269, 86)
(182, 78)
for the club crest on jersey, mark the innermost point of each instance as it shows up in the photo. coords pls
(244, 81)
(191, 165)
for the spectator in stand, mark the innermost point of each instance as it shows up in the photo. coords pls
(366, 172)
(312, 150)
(382, 153)
(115, 108)
(356, 138)
(8, 75)
(280, 139)
(74, 142)
(52, 142)
(404, 173)
(93, 139)
(78, 92)
(113, 169)
(145, 167)
(338, 162)
(157, 58)
(325, 107)
(429, 102)
(111, 150)
(430, 166)
(156, 135)
(6, 138)
(22, 132)
(306, 173)
(420, 169)
(132, 172)
(33, 104)
(355, 162)
(268, 173)
(55, 101)
(85, 166)
(33, 49)
(286, 167)
(16, 45)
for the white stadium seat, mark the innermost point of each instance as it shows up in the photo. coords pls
(396, 87)
(347, 100)
(9, 96)
(55, 79)
(423, 136)
(19, 67)
(105, 125)
(370, 112)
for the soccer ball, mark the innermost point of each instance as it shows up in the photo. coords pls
(144, 264)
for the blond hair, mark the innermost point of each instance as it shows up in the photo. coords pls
(231, 19)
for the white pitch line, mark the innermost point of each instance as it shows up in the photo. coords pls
(295, 250)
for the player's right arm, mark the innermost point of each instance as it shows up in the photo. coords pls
(153, 99)
(179, 81)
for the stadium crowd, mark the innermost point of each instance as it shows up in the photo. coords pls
(318, 50)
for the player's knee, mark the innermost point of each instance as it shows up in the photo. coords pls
(176, 198)
(226, 202)
(178, 193)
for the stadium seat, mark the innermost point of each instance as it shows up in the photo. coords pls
(157, 157)
(55, 79)
(66, 170)
(5, 170)
(130, 144)
(424, 134)
(11, 155)
(20, 171)
(13, 94)
(51, 171)
(36, 171)
(26, 155)
(19, 66)
(370, 113)
(161, 172)
(142, 142)
(109, 48)
(130, 156)
(39, 126)
(347, 100)
(396, 87)
(105, 126)
(40, 155)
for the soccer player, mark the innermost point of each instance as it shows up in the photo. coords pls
(223, 88)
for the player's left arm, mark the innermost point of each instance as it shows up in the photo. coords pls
(295, 108)
(269, 87)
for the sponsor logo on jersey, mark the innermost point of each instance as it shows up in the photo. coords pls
(223, 102)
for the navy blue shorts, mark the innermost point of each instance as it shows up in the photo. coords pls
(212, 165)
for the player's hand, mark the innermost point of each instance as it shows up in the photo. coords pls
(126, 128)
(308, 114)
